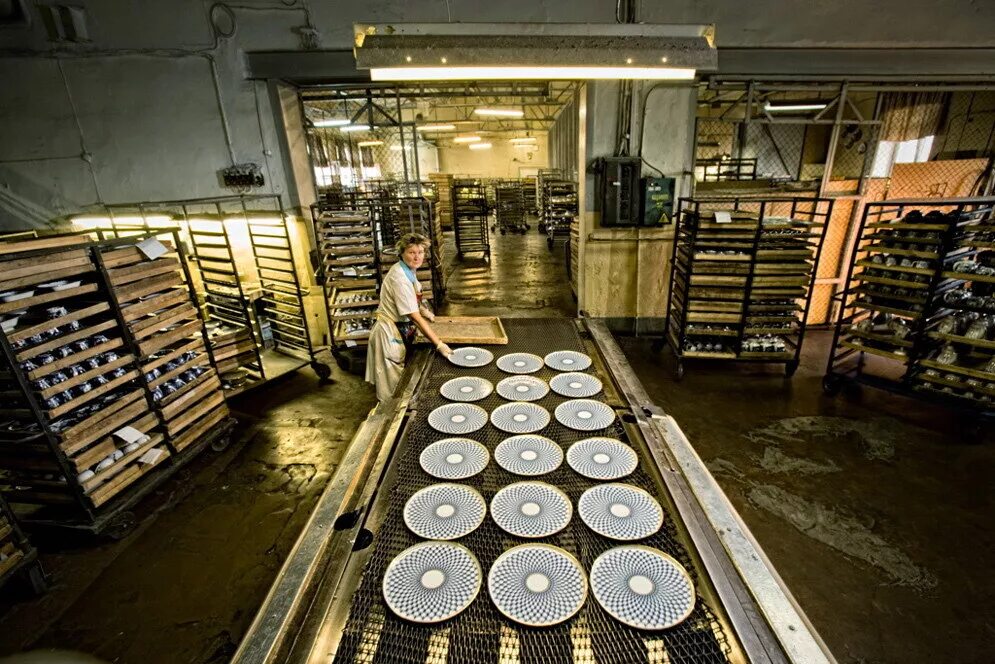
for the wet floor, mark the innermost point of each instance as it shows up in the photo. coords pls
(873, 510)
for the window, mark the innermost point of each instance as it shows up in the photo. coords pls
(900, 152)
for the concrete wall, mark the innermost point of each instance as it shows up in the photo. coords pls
(503, 160)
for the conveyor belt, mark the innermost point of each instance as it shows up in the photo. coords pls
(373, 634)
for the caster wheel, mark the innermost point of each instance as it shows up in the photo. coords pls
(323, 371)
(790, 368)
(680, 371)
(221, 444)
(832, 384)
(121, 526)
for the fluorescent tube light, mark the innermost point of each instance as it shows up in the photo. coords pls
(331, 123)
(369, 144)
(437, 127)
(794, 107)
(529, 73)
(466, 139)
(530, 146)
(355, 128)
(527, 139)
(499, 112)
(480, 146)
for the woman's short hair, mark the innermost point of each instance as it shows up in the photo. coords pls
(409, 240)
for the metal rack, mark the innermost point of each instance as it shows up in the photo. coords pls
(410, 215)
(917, 314)
(470, 212)
(740, 284)
(727, 170)
(559, 209)
(17, 555)
(511, 210)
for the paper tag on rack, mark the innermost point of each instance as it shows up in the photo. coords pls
(130, 435)
(152, 248)
(723, 217)
(151, 456)
(350, 343)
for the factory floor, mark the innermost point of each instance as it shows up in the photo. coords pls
(873, 510)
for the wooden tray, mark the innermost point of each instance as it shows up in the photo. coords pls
(477, 330)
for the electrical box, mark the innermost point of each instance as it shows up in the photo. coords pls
(658, 201)
(242, 177)
(618, 190)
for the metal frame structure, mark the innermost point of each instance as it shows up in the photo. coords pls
(470, 213)
(300, 620)
(29, 566)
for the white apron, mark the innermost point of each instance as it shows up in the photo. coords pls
(385, 354)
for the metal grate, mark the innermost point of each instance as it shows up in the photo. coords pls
(481, 634)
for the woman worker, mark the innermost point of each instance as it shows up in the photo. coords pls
(399, 312)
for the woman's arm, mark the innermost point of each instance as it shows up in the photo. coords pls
(427, 330)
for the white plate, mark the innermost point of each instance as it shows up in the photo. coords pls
(528, 454)
(454, 458)
(585, 415)
(457, 418)
(537, 584)
(13, 296)
(432, 581)
(522, 388)
(642, 587)
(471, 356)
(466, 388)
(444, 511)
(519, 363)
(9, 324)
(575, 385)
(531, 509)
(620, 511)
(567, 360)
(520, 417)
(67, 285)
(602, 458)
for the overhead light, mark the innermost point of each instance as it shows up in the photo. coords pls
(499, 112)
(355, 128)
(534, 51)
(529, 146)
(527, 139)
(330, 123)
(771, 108)
(466, 139)
(369, 144)
(480, 146)
(398, 148)
(436, 127)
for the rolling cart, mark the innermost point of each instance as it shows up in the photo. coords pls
(470, 212)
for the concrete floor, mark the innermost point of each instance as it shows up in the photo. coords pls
(876, 515)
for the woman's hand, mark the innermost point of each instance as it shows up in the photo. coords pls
(428, 315)
(444, 350)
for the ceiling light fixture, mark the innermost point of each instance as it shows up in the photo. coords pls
(534, 51)
(355, 128)
(331, 123)
(466, 139)
(529, 146)
(527, 139)
(436, 127)
(480, 146)
(369, 144)
(499, 112)
(772, 108)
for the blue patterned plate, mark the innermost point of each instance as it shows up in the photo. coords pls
(457, 418)
(528, 454)
(620, 511)
(575, 385)
(444, 511)
(519, 363)
(585, 415)
(466, 388)
(537, 584)
(642, 587)
(522, 388)
(432, 581)
(602, 458)
(531, 509)
(567, 360)
(454, 458)
(471, 356)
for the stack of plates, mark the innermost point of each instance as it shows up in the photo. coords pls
(520, 417)
(454, 458)
(471, 357)
(620, 511)
(531, 509)
(457, 418)
(537, 584)
(444, 511)
(585, 415)
(642, 587)
(522, 388)
(431, 581)
(528, 454)
(567, 360)
(466, 388)
(519, 363)
(602, 458)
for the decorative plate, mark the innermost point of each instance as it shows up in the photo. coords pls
(602, 458)
(471, 356)
(537, 584)
(454, 458)
(528, 454)
(567, 360)
(575, 385)
(519, 363)
(432, 581)
(642, 587)
(444, 511)
(585, 415)
(620, 511)
(520, 417)
(457, 418)
(466, 388)
(531, 509)
(522, 388)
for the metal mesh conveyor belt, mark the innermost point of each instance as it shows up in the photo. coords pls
(481, 634)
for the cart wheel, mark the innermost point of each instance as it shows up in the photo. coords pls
(120, 526)
(323, 371)
(790, 368)
(680, 370)
(221, 443)
(37, 579)
(832, 384)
